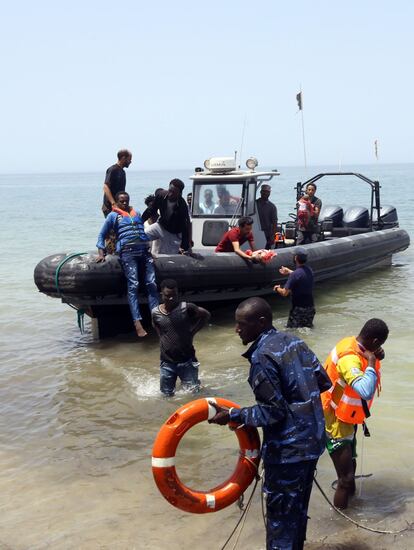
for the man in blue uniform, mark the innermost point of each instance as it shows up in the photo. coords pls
(286, 378)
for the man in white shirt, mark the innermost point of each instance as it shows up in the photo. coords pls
(208, 206)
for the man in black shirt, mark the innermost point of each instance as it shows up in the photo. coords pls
(176, 324)
(173, 228)
(267, 215)
(115, 180)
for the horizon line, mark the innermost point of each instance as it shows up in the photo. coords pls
(264, 167)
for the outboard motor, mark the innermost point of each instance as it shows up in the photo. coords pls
(356, 216)
(326, 228)
(334, 213)
(290, 232)
(388, 217)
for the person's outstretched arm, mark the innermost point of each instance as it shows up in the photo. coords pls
(239, 252)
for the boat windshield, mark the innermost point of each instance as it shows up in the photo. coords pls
(218, 199)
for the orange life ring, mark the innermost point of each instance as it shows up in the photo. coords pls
(163, 460)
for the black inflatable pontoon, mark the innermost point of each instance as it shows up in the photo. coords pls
(350, 241)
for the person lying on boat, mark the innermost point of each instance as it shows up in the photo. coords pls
(265, 255)
(237, 236)
(172, 231)
(225, 206)
(132, 245)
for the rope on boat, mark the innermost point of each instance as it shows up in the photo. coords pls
(80, 311)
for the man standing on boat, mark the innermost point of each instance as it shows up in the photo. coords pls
(173, 227)
(176, 324)
(132, 245)
(309, 233)
(115, 180)
(286, 378)
(300, 287)
(353, 367)
(267, 215)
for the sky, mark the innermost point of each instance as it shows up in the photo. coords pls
(178, 82)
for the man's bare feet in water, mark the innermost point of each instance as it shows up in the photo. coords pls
(140, 329)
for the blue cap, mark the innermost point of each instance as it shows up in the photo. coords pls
(301, 252)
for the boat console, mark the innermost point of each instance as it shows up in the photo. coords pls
(222, 193)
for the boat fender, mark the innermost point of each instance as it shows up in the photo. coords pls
(163, 459)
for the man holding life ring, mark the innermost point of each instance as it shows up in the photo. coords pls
(354, 369)
(286, 378)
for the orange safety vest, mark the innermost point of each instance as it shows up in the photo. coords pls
(349, 408)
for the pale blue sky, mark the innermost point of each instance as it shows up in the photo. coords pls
(174, 82)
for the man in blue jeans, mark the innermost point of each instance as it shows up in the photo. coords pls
(176, 324)
(132, 245)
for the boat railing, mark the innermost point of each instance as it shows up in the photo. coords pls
(233, 221)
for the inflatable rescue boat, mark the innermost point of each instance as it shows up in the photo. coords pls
(348, 240)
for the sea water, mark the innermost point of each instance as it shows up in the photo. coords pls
(78, 418)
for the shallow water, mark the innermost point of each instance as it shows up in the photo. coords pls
(78, 418)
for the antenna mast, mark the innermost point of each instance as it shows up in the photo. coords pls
(242, 140)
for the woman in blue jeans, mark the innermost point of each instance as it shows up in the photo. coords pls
(132, 245)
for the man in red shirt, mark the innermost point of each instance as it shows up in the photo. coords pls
(234, 238)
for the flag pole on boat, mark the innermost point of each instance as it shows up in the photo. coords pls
(299, 99)
(376, 155)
